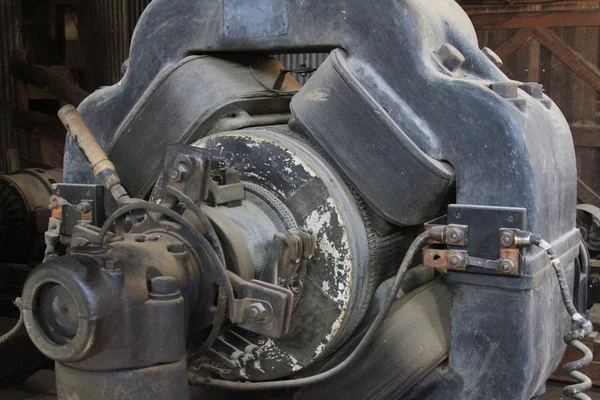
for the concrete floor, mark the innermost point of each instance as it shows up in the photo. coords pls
(41, 386)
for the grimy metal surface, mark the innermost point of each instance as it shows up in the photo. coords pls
(10, 37)
(412, 113)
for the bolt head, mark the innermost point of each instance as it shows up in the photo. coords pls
(164, 286)
(256, 312)
(455, 235)
(455, 259)
(450, 57)
(506, 89)
(179, 173)
(507, 266)
(84, 207)
(176, 248)
(507, 239)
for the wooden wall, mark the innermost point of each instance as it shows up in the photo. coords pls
(558, 45)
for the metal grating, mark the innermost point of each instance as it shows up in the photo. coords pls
(10, 40)
(294, 61)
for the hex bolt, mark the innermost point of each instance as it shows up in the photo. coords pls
(177, 248)
(164, 286)
(455, 235)
(533, 89)
(140, 238)
(507, 266)
(450, 57)
(456, 259)
(256, 312)
(506, 89)
(84, 207)
(179, 173)
(507, 239)
(492, 56)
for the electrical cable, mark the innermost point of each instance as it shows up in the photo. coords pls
(8, 335)
(573, 337)
(211, 235)
(268, 88)
(366, 341)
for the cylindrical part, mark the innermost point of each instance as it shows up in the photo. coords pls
(103, 168)
(163, 381)
(24, 213)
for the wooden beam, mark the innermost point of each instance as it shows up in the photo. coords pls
(570, 57)
(42, 78)
(586, 135)
(536, 19)
(515, 42)
(586, 194)
(39, 123)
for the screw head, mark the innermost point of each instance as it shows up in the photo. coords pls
(179, 173)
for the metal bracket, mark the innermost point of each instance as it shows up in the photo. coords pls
(263, 308)
(187, 169)
(488, 242)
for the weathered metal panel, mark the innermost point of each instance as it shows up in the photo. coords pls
(295, 61)
(10, 38)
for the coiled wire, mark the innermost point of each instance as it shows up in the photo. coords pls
(583, 328)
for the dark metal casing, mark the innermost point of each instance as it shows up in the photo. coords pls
(407, 110)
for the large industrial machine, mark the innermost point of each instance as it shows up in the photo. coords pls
(400, 227)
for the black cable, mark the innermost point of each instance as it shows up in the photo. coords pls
(216, 326)
(205, 245)
(211, 235)
(365, 342)
(8, 335)
(268, 88)
(573, 337)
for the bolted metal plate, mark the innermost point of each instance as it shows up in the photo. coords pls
(484, 224)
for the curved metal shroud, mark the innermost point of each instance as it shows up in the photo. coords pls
(400, 125)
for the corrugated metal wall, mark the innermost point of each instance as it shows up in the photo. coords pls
(295, 61)
(106, 28)
(10, 40)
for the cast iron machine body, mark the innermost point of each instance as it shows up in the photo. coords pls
(309, 198)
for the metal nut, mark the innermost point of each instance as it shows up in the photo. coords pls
(507, 239)
(256, 312)
(507, 266)
(179, 173)
(84, 207)
(455, 235)
(456, 259)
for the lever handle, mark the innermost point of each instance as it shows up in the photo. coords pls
(104, 170)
